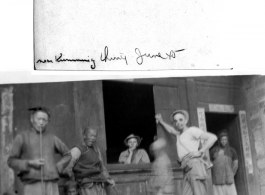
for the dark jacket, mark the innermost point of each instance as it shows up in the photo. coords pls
(224, 169)
(26, 146)
(88, 168)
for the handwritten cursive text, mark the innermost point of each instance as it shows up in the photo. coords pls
(60, 59)
(140, 56)
(105, 57)
(44, 61)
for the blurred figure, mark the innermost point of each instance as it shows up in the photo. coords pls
(225, 165)
(9, 192)
(162, 180)
(133, 155)
(70, 188)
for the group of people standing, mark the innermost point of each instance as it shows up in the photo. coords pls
(32, 157)
(191, 154)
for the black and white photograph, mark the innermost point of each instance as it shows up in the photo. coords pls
(175, 135)
(121, 97)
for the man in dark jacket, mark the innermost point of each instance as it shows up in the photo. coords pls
(32, 155)
(85, 162)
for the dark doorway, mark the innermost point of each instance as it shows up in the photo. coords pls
(129, 109)
(216, 122)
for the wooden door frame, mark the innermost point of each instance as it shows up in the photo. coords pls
(241, 121)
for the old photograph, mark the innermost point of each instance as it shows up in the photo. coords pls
(175, 135)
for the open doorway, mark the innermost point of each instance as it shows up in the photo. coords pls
(215, 123)
(129, 109)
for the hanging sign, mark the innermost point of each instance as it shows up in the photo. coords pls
(245, 140)
(221, 108)
(201, 119)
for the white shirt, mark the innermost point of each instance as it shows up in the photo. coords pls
(188, 141)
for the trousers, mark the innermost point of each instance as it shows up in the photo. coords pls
(36, 188)
(195, 178)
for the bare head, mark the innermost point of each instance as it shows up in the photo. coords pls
(90, 136)
(70, 188)
(180, 121)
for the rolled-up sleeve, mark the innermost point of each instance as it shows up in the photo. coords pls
(14, 160)
(196, 132)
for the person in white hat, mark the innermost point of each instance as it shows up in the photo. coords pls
(189, 153)
(133, 155)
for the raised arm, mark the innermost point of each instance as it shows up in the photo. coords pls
(129, 159)
(167, 127)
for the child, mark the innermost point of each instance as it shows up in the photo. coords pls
(70, 188)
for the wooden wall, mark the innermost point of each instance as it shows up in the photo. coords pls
(6, 137)
(137, 179)
(214, 95)
(75, 105)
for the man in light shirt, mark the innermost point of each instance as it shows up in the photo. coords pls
(189, 153)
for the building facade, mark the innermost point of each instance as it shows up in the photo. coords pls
(232, 102)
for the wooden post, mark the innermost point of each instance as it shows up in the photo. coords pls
(6, 138)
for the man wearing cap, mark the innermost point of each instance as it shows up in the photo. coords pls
(188, 142)
(32, 155)
(133, 155)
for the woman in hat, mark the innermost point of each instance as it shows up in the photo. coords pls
(225, 165)
(133, 155)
